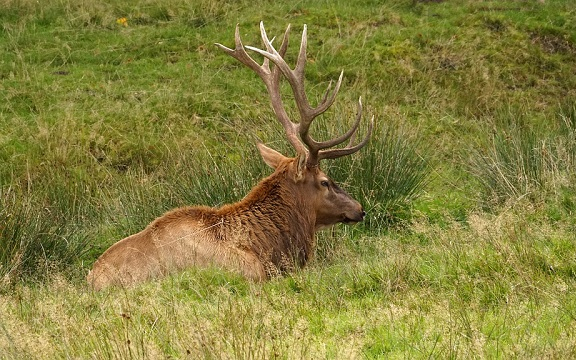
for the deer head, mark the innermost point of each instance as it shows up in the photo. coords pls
(331, 203)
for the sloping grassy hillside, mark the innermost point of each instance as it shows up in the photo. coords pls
(112, 112)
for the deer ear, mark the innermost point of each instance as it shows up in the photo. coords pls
(300, 167)
(271, 157)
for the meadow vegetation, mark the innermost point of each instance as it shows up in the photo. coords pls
(113, 112)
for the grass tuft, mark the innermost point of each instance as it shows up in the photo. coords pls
(522, 161)
(40, 236)
(388, 175)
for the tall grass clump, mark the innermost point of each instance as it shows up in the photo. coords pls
(39, 236)
(521, 161)
(514, 165)
(388, 175)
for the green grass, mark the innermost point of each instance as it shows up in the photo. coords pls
(468, 248)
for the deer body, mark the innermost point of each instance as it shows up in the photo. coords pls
(270, 231)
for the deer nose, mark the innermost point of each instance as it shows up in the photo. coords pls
(363, 213)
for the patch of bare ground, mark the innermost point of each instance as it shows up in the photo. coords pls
(553, 43)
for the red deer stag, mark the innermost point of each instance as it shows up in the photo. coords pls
(271, 230)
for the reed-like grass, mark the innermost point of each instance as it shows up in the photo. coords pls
(523, 161)
(42, 234)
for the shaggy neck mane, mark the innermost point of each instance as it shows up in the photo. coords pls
(273, 220)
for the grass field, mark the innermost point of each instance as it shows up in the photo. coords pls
(113, 112)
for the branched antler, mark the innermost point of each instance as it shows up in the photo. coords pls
(297, 133)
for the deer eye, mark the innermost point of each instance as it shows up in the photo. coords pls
(325, 183)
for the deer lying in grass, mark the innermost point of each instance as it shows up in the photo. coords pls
(271, 230)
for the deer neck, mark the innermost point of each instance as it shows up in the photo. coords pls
(279, 222)
(277, 197)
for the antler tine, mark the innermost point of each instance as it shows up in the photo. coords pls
(349, 149)
(336, 153)
(301, 62)
(241, 55)
(356, 123)
(268, 43)
(326, 102)
(350, 134)
(284, 44)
